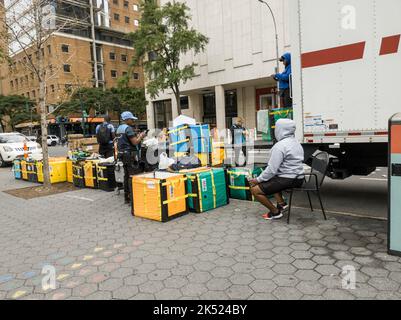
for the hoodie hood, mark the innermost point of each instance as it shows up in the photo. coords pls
(285, 128)
(287, 57)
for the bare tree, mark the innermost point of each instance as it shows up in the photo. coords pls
(29, 25)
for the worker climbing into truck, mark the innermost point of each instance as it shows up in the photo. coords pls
(284, 79)
(129, 146)
(284, 171)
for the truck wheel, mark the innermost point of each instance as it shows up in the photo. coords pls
(2, 163)
(54, 143)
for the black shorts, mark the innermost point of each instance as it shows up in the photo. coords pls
(277, 184)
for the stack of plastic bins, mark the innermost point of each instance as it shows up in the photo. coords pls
(179, 139)
(201, 143)
(106, 176)
(57, 168)
(207, 190)
(24, 171)
(159, 196)
(238, 182)
(90, 174)
(218, 154)
(17, 169)
(78, 174)
(32, 170)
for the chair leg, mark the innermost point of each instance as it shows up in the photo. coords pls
(321, 204)
(289, 207)
(310, 201)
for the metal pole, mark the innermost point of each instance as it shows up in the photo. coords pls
(82, 110)
(277, 49)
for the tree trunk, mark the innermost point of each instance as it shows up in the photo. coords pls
(43, 123)
(178, 99)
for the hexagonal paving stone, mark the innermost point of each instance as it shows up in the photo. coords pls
(285, 280)
(375, 272)
(283, 293)
(151, 287)
(384, 284)
(218, 284)
(337, 294)
(194, 289)
(199, 277)
(283, 258)
(241, 279)
(304, 264)
(175, 282)
(263, 286)
(284, 269)
(168, 294)
(159, 275)
(239, 292)
(136, 279)
(310, 287)
(243, 267)
(222, 272)
(327, 270)
(214, 295)
(125, 292)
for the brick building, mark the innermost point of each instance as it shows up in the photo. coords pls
(72, 54)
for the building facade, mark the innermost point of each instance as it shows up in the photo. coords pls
(74, 51)
(233, 75)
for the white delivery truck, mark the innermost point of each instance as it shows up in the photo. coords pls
(346, 79)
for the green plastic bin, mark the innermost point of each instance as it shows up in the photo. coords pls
(238, 182)
(207, 190)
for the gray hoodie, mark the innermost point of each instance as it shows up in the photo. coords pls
(287, 155)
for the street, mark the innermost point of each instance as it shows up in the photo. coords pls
(99, 251)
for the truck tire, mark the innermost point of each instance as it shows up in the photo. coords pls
(54, 143)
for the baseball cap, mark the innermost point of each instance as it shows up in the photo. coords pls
(128, 115)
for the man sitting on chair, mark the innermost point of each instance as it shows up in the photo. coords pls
(284, 170)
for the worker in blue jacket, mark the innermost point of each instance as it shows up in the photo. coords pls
(284, 81)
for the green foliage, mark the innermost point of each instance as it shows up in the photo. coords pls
(116, 100)
(163, 36)
(16, 109)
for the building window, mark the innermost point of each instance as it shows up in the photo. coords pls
(116, 17)
(163, 113)
(65, 48)
(124, 58)
(126, 19)
(112, 56)
(115, 2)
(184, 103)
(52, 88)
(136, 22)
(113, 73)
(135, 76)
(67, 68)
(135, 7)
(33, 94)
(28, 95)
(49, 49)
(126, 4)
(12, 84)
(125, 73)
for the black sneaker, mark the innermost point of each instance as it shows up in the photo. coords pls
(272, 216)
(282, 207)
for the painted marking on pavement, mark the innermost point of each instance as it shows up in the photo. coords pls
(87, 258)
(98, 249)
(18, 294)
(76, 265)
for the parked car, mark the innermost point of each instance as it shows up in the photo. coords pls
(53, 140)
(32, 138)
(12, 146)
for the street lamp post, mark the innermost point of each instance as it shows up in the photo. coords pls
(277, 51)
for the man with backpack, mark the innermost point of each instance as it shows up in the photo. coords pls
(105, 134)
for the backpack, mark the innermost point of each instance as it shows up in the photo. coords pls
(104, 135)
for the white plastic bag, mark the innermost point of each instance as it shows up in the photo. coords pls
(165, 162)
(151, 142)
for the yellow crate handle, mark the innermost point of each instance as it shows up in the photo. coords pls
(178, 130)
(239, 188)
(179, 142)
(192, 195)
(175, 199)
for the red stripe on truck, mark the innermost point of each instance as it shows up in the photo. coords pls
(390, 45)
(333, 55)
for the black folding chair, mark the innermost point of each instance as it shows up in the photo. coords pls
(313, 181)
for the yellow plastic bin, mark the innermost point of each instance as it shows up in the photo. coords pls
(69, 171)
(24, 170)
(218, 154)
(90, 173)
(159, 196)
(204, 158)
(58, 171)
